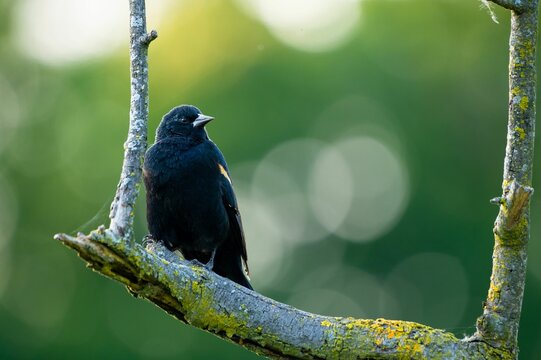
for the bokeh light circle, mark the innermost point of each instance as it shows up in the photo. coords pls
(308, 25)
(283, 198)
(63, 31)
(357, 115)
(330, 188)
(356, 188)
(265, 245)
(72, 32)
(280, 182)
(381, 188)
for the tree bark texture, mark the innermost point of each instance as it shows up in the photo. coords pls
(210, 302)
(499, 323)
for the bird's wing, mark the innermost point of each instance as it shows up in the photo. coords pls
(235, 221)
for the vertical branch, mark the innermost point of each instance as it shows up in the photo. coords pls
(499, 323)
(135, 146)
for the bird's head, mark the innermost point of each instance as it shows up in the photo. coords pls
(185, 121)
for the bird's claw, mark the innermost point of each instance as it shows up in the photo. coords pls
(196, 263)
(148, 240)
(209, 265)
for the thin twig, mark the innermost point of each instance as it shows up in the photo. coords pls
(135, 146)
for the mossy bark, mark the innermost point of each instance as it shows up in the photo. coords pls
(205, 300)
(499, 323)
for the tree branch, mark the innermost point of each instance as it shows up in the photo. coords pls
(135, 146)
(205, 300)
(499, 323)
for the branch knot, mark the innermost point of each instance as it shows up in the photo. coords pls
(515, 201)
(148, 38)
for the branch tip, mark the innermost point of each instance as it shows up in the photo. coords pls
(59, 237)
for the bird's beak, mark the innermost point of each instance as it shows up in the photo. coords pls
(202, 120)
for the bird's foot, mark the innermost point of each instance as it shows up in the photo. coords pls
(148, 239)
(210, 265)
(196, 263)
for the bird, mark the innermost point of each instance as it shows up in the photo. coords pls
(191, 204)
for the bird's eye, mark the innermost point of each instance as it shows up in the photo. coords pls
(183, 119)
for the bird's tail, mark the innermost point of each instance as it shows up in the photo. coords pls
(241, 280)
(226, 266)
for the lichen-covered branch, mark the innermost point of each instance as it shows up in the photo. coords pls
(499, 323)
(135, 146)
(205, 300)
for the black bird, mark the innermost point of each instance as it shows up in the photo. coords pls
(191, 205)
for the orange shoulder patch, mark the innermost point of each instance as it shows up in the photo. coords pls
(224, 173)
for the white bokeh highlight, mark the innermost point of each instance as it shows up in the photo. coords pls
(381, 188)
(266, 246)
(304, 190)
(330, 188)
(356, 188)
(66, 31)
(308, 25)
(280, 183)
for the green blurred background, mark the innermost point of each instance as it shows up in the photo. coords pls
(365, 139)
